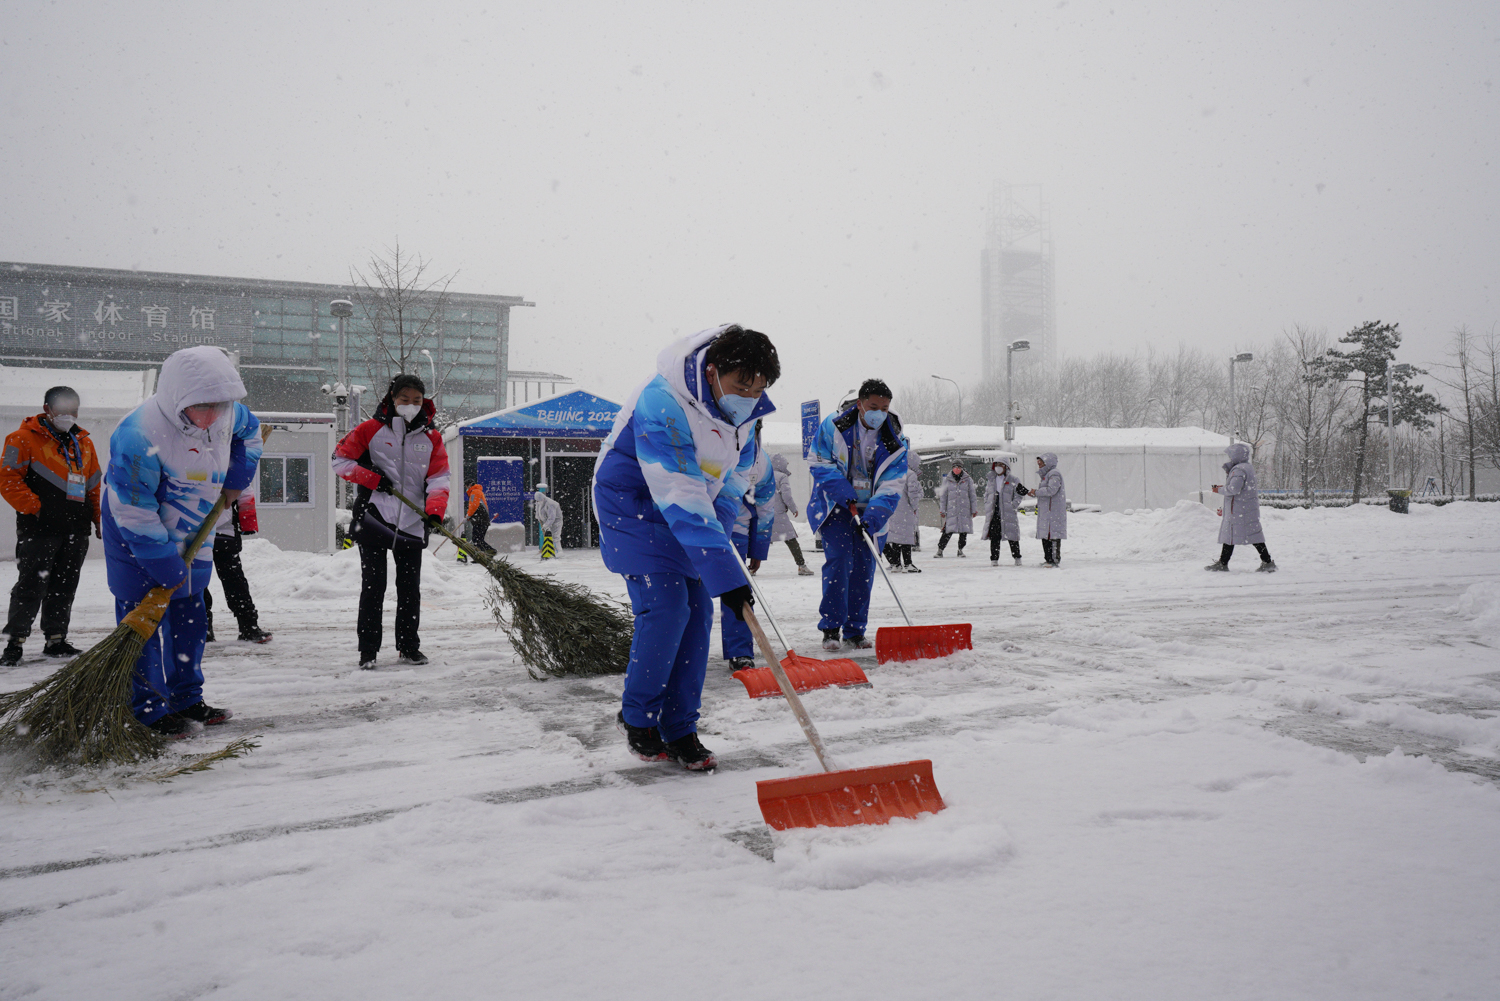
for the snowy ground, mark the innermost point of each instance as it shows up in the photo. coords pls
(1161, 783)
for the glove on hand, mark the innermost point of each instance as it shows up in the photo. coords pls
(386, 485)
(1021, 489)
(738, 599)
(433, 522)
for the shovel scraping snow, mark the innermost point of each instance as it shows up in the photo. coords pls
(805, 673)
(911, 642)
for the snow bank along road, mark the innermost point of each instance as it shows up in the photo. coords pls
(1162, 783)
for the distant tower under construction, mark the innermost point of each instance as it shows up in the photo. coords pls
(1017, 299)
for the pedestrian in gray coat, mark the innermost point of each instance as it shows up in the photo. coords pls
(1051, 509)
(1241, 524)
(958, 503)
(784, 507)
(901, 529)
(1002, 496)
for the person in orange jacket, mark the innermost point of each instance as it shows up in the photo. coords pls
(50, 475)
(478, 517)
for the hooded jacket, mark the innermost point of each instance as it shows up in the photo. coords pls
(548, 514)
(958, 502)
(1000, 504)
(1241, 524)
(165, 475)
(411, 455)
(34, 479)
(902, 526)
(753, 523)
(836, 460)
(672, 475)
(476, 501)
(1051, 500)
(783, 504)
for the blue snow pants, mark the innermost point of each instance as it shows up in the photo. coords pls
(734, 635)
(848, 573)
(674, 618)
(169, 675)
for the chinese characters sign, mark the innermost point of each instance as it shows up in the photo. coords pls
(70, 319)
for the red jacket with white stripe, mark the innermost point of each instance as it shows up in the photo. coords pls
(411, 455)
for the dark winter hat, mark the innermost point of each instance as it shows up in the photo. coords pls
(404, 381)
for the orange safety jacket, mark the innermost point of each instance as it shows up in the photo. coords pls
(476, 501)
(35, 474)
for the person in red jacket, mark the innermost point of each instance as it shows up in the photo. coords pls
(400, 450)
(51, 476)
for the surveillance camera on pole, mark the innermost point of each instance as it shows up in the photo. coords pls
(1234, 410)
(1012, 411)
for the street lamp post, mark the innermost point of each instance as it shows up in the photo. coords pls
(1010, 402)
(1234, 410)
(342, 309)
(432, 365)
(960, 397)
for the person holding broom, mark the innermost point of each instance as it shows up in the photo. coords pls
(397, 449)
(171, 459)
(478, 517)
(668, 486)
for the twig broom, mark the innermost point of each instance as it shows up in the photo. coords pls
(82, 711)
(558, 629)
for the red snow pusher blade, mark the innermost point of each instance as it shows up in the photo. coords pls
(922, 642)
(851, 796)
(805, 674)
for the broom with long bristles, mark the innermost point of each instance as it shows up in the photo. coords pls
(82, 712)
(558, 629)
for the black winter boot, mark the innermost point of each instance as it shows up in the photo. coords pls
(12, 655)
(690, 753)
(645, 742)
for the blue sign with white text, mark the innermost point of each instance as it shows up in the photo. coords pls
(810, 422)
(500, 477)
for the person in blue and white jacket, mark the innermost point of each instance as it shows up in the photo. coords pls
(858, 461)
(170, 459)
(752, 539)
(668, 485)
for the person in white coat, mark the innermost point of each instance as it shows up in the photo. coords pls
(1002, 496)
(785, 507)
(901, 530)
(958, 503)
(548, 514)
(1051, 510)
(1241, 524)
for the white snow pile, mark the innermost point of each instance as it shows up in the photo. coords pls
(1164, 533)
(1481, 602)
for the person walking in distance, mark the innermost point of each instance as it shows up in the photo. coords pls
(549, 520)
(958, 503)
(668, 486)
(170, 460)
(1241, 523)
(858, 463)
(478, 517)
(1051, 510)
(237, 520)
(1002, 496)
(51, 476)
(901, 530)
(398, 449)
(785, 507)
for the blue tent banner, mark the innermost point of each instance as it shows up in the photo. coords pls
(567, 415)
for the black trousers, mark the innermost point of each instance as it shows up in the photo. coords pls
(372, 569)
(963, 539)
(1052, 550)
(1015, 548)
(231, 574)
(479, 525)
(48, 568)
(1260, 547)
(898, 553)
(796, 549)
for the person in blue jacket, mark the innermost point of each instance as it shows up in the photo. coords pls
(858, 463)
(170, 459)
(668, 485)
(752, 540)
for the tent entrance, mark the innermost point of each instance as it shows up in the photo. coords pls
(570, 477)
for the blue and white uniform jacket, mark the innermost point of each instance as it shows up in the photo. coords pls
(842, 476)
(752, 529)
(672, 475)
(165, 475)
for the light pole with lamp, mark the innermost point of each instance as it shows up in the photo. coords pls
(1010, 402)
(960, 397)
(432, 365)
(1234, 410)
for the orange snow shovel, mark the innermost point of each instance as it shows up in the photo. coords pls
(911, 642)
(839, 797)
(805, 673)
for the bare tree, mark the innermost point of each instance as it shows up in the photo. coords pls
(1463, 381)
(403, 308)
(1487, 399)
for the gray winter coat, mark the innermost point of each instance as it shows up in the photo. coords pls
(1241, 524)
(782, 503)
(1002, 522)
(548, 513)
(902, 526)
(958, 503)
(1051, 500)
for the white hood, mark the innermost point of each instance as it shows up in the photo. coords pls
(200, 374)
(671, 365)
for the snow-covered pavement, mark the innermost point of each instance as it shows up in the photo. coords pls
(1161, 783)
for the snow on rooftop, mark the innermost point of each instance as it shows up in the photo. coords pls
(107, 390)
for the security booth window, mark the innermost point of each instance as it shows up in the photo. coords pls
(285, 480)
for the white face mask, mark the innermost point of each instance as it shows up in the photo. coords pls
(408, 410)
(63, 422)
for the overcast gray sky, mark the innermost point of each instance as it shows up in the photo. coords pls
(815, 170)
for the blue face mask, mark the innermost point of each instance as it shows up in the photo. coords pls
(736, 408)
(874, 418)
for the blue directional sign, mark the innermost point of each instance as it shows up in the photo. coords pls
(810, 422)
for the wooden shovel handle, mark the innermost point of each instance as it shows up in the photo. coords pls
(792, 698)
